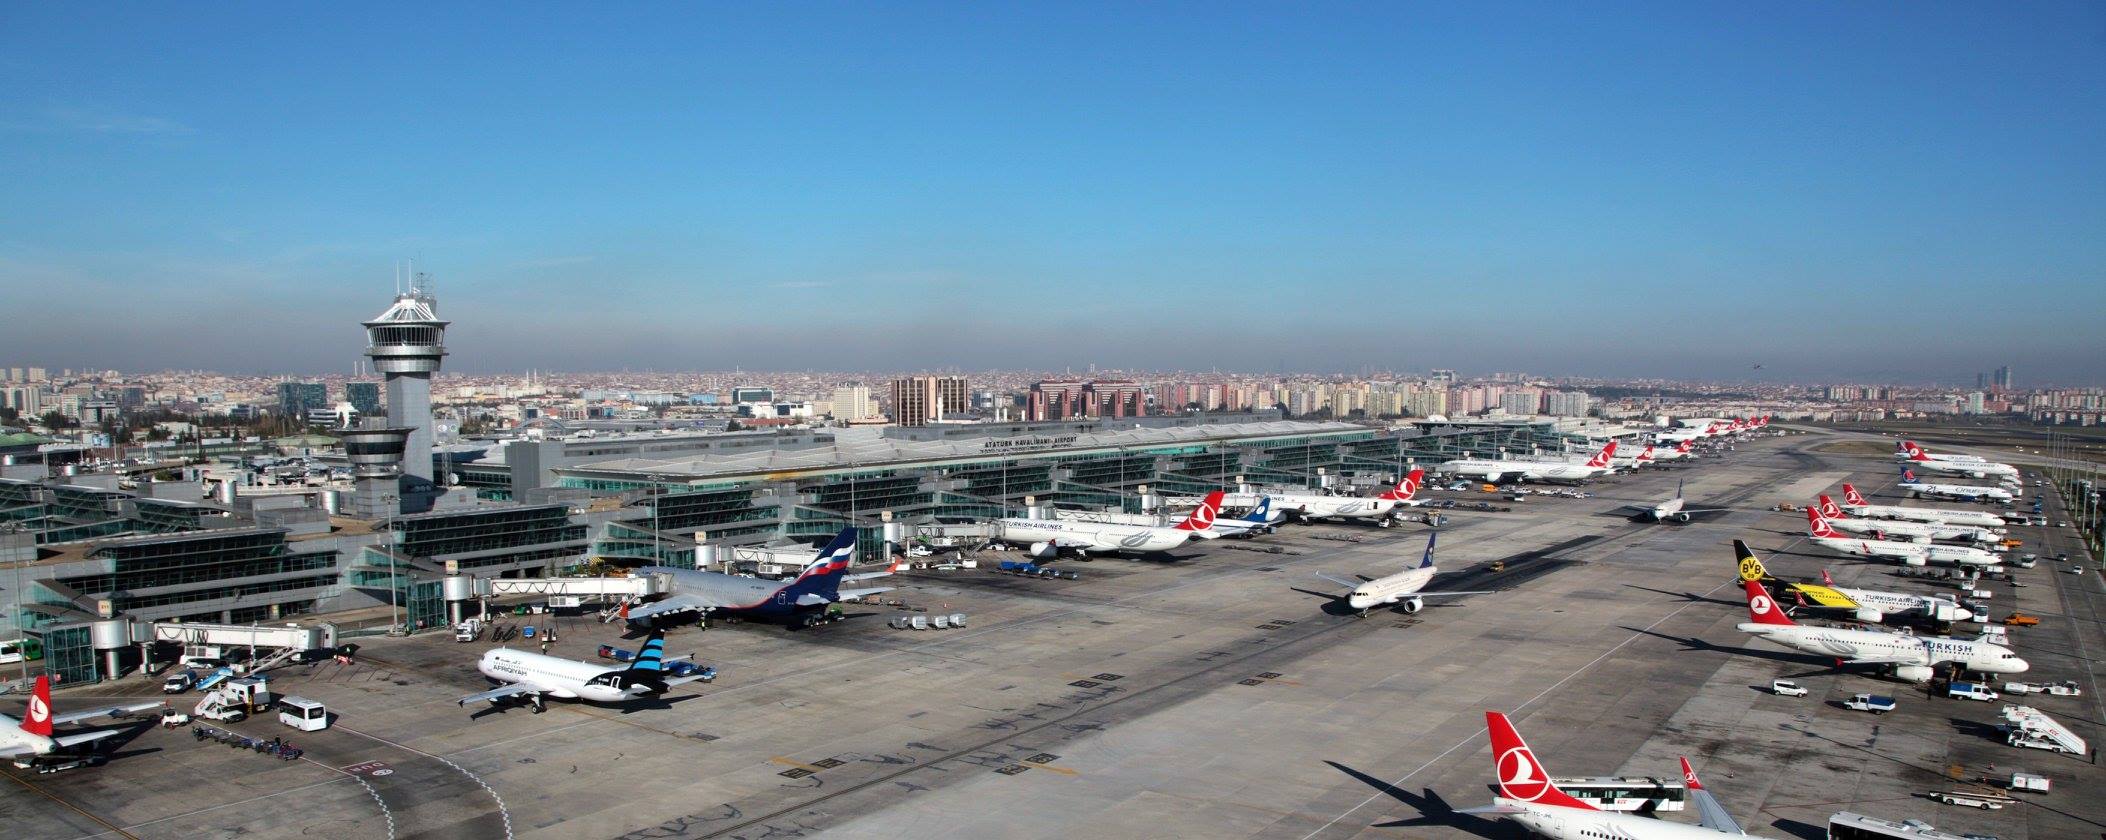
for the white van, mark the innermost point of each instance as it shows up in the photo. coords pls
(302, 714)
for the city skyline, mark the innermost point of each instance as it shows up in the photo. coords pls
(1833, 196)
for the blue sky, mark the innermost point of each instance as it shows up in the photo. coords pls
(1907, 190)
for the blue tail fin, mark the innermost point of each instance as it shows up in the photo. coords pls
(1260, 513)
(650, 657)
(823, 575)
(1429, 549)
(1678, 489)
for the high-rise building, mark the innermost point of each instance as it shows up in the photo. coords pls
(364, 396)
(1566, 403)
(2003, 378)
(407, 344)
(296, 398)
(1054, 399)
(753, 394)
(921, 400)
(853, 402)
(1067, 399)
(28, 400)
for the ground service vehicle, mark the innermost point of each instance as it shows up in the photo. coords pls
(1874, 703)
(1787, 688)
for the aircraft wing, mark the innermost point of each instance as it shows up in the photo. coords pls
(847, 594)
(1712, 815)
(1884, 660)
(682, 680)
(501, 692)
(1440, 594)
(111, 711)
(1491, 809)
(678, 603)
(1822, 596)
(83, 737)
(1345, 582)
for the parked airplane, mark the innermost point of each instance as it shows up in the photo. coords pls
(1908, 554)
(1529, 797)
(1377, 507)
(801, 601)
(1907, 656)
(1854, 502)
(1971, 492)
(32, 736)
(1863, 604)
(1495, 472)
(537, 677)
(1972, 466)
(1204, 521)
(1047, 538)
(1402, 589)
(1692, 430)
(1673, 453)
(1841, 520)
(1676, 509)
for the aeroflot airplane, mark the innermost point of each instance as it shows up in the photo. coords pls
(1529, 797)
(801, 602)
(1495, 472)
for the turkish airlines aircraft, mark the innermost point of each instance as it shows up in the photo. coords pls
(1854, 502)
(1048, 537)
(1971, 492)
(1495, 472)
(1529, 797)
(1841, 520)
(1356, 507)
(1909, 657)
(1673, 453)
(32, 736)
(1909, 554)
(1692, 431)
(1402, 589)
(1972, 466)
(1862, 604)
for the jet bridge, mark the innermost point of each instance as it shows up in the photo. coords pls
(460, 589)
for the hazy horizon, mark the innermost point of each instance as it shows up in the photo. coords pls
(1905, 193)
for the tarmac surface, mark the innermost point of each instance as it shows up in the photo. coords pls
(1220, 692)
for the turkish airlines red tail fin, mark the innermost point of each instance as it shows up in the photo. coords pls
(1825, 579)
(1829, 509)
(1850, 495)
(1818, 525)
(36, 719)
(1202, 517)
(1601, 459)
(1762, 609)
(1521, 777)
(1407, 488)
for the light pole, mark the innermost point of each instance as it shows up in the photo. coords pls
(657, 500)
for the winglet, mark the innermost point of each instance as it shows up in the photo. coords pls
(1521, 777)
(36, 719)
(1689, 779)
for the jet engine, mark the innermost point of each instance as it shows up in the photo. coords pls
(1914, 673)
(1869, 615)
(1915, 561)
(1682, 518)
(1412, 605)
(1043, 550)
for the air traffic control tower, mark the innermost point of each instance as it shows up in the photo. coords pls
(406, 344)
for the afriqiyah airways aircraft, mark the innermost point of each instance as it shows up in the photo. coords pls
(1854, 503)
(801, 602)
(1971, 492)
(1972, 466)
(1841, 520)
(1355, 507)
(1495, 472)
(1529, 797)
(1909, 657)
(537, 676)
(1402, 589)
(32, 736)
(1863, 604)
(1909, 554)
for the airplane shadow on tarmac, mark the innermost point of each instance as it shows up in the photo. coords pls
(1693, 643)
(1689, 596)
(1432, 809)
(652, 704)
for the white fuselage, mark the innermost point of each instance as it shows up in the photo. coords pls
(1334, 507)
(1910, 554)
(1971, 469)
(1920, 530)
(1901, 603)
(1981, 519)
(1496, 471)
(1886, 648)
(1670, 509)
(1956, 491)
(555, 676)
(1097, 537)
(1561, 823)
(14, 740)
(1391, 589)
